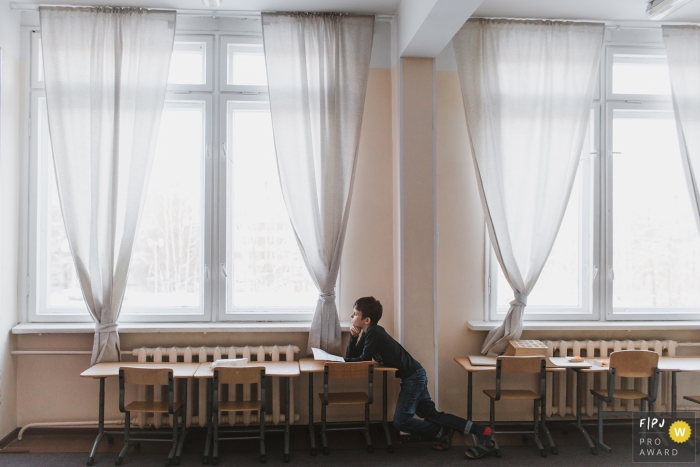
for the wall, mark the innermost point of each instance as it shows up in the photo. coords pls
(10, 150)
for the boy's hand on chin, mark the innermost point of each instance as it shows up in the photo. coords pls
(354, 331)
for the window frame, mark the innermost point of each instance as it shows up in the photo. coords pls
(588, 249)
(601, 286)
(215, 94)
(208, 86)
(224, 42)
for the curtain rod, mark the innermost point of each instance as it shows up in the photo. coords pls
(236, 14)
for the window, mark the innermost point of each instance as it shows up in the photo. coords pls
(203, 207)
(628, 247)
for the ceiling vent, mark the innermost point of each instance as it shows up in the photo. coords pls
(659, 9)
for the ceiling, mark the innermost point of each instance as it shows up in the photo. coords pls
(613, 10)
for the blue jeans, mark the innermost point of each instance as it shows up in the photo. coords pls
(414, 399)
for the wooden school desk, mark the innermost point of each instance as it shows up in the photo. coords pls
(311, 366)
(283, 369)
(466, 364)
(180, 371)
(672, 364)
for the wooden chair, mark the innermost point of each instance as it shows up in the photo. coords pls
(233, 376)
(350, 370)
(150, 377)
(628, 364)
(522, 365)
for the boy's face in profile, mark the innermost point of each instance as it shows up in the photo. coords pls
(357, 320)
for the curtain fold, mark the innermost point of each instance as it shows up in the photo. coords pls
(527, 88)
(683, 52)
(106, 71)
(317, 71)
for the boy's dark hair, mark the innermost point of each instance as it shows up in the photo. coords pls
(370, 308)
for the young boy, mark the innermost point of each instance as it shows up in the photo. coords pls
(414, 399)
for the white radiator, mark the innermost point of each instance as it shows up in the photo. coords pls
(561, 387)
(197, 390)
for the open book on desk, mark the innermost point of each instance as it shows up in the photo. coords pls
(323, 355)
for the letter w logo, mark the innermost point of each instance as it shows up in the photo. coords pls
(679, 431)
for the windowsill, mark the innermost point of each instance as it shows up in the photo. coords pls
(591, 325)
(89, 328)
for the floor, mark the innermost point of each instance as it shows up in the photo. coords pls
(68, 447)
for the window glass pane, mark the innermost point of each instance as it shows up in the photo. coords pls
(640, 74)
(63, 287)
(267, 268)
(656, 246)
(188, 63)
(246, 65)
(559, 284)
(166, 263)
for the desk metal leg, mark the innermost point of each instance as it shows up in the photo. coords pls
(312, 432)
(101, 423)
(181, 442)
(579, 403)
(387, 433)
(207, 443)
(286, 421)
(673, 391)
(469, 396)
(543, 425)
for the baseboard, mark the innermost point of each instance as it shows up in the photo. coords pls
(10, 437)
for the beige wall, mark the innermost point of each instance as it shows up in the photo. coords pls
(10, 160)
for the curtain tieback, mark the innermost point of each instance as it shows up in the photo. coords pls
(327, 297)
(108, 327)
(520, 299)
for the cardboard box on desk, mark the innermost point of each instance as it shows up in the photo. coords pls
(525, 349)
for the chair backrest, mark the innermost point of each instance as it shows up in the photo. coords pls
(521, 364)
(348, 370)
(240, 375)
(634, 363)
(147, 376)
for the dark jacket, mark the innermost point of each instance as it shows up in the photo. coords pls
(377, 344)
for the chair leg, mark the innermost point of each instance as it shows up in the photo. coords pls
(127, 432)
(324, 439)
(492, 424)
(215, 449)
(261, 418)
(543, 425)
(171, 454)
(600, 427)
(535, 432)
(368, 439)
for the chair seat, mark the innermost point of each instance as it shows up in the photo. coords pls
(346, 397)
(151, 406)
(626, 394)
(520, 394)
(695, 399)
(240, 406)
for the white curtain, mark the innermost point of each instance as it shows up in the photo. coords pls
(683, 52)
(527, 88)
(317, 70)
(106, 71)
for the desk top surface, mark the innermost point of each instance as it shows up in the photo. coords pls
(309, 365)
(690, 364)
(282, 368)
(108, 369)
(465, 363)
